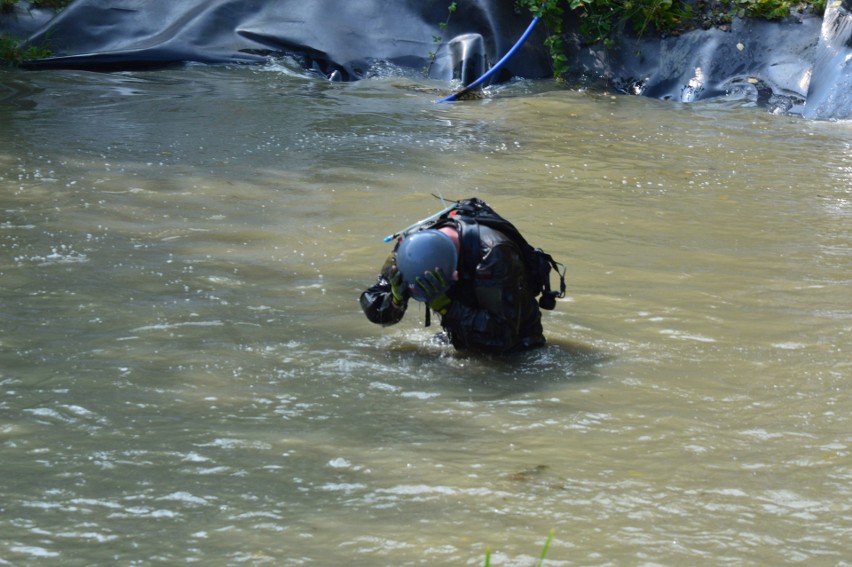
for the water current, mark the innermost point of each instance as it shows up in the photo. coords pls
(186, 375)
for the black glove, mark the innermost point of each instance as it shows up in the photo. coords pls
(434, 286)
(398, 291)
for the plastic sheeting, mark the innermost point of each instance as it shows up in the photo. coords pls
(768, 62)
(830, 90)
(797, 65)
(340, 39)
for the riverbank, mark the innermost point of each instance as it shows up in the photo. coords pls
(601, 22)
(684, 52)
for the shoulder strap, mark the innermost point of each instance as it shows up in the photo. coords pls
(470, 247)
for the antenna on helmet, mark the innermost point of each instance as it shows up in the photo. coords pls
(423, 222)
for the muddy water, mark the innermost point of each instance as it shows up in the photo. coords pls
(187, 377)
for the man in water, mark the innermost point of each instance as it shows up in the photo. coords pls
(494, 310)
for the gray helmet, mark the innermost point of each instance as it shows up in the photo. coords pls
(422, 252)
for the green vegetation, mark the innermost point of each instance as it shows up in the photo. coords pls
(601, 21)
(551, 13)
(541, 557)
(439, 39)
(11, 52)
(599, 18)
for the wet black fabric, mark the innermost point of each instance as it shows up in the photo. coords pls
(341, 39)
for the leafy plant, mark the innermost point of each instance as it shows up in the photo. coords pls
(818, 6)
(765, 9)
(438, 39)
(11, 52)
(599, 18)
(551, 13)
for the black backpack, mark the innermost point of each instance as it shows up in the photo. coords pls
(470, 213)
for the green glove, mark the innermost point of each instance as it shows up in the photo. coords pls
(434, 286)
(398, 290)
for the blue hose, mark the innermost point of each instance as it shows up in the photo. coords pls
(490, 73)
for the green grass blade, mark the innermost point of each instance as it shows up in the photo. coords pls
(546, 547)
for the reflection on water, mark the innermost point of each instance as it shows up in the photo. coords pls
(187, 376)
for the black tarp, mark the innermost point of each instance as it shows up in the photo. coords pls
(801, 64)
(341, 38)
